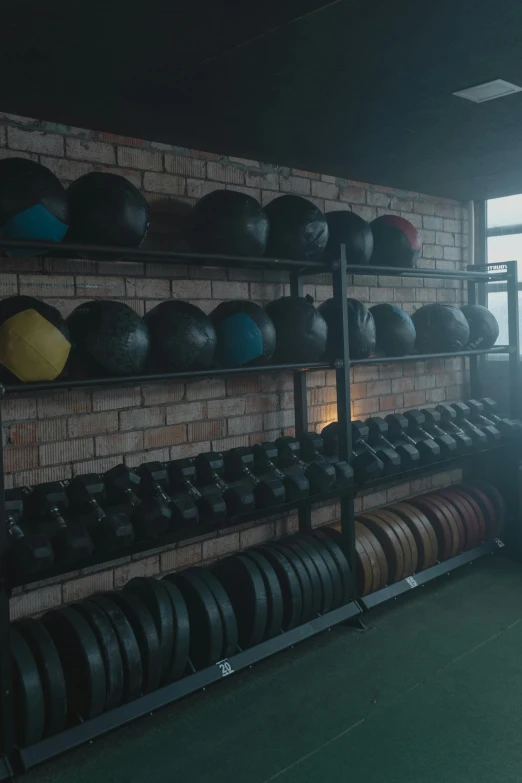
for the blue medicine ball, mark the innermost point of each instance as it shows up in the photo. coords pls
(395, 330)
(245, 333)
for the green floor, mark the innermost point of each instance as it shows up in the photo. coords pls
(431, 692)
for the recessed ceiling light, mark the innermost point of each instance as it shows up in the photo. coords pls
(498, 88)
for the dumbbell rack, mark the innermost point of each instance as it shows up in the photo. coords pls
(25, 758)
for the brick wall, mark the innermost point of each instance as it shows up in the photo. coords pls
(58, 436)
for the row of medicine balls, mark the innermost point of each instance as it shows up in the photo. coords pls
(106, 209)
(108, 338)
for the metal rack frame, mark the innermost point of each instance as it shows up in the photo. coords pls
(12, 757)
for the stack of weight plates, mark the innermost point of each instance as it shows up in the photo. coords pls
(397, 541)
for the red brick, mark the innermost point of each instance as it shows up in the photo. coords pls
(112, 138)
(133, 176)
(187, 450)
(141, 418)
(445, 211)
(119, 444)
(205, 390)
(205, 155)
(246, 385)
(268, 180)
(378, 388)
(402, 384)
(94, 151)
(325, 190)
(164, 436)
(181, 557)
(222, 173)
(197, 188)
(227, 290)
(443, 238)
(5, 153)
(266, 292)
(298, 185)
(323, 414)
(353, 195)
(266, 195)
(191, 289)
(276, 420)
(274, 382)
(287, 525)
(99, 465)
(51, 429)
(222, 545)
(41, 475)
(46, 285)
(35, 141)
(67, 170)
(170, 184)
(66, 451)
(185, 166)
(323, 396)
(378, 199)
(424, 207)
(94, 287)
(185, 412)
(154, 455)
(146, 567)
(116, 399)
(230, 406)
(35, 602)
(245, 424)
(424, 382)
(261, 403)
(224, 444)
(64, 403)
(140, 159)
(207, 430)
(414, 399)
(252, 192)
(92, 424)
(381, 294)
(22, 434)
(256, 535)
(391, 402)
(85, 586)
(435, 395)
(374, 500)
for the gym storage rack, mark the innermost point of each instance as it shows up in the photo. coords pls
(17, 760)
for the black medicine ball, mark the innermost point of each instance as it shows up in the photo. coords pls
(298, 230)
(107, 209)
(483, 327)
(182, 337)
(440, 329)
(245, 333)
(109, 338)
(361, 329)
(395, 330)
(34, 340)
(347, 228)
(301, 330)
(229, 223)
(396, 242)
(33, 203)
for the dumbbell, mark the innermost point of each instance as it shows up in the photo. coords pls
(182, 474)
(509, 427)
(312, 447)
(268, 491)
(29, 553)
(479, 438)
(378, 440)
(121, 484)
(70, 540)
(448, 423)
(150, 518)
(108, 531)
(476, 410)
(293, 477)
(449, 445)
(153, 486)
(427, 448)
(321, 475)
(365, 463)
(238, 495)
(418, 432)
(386, 453)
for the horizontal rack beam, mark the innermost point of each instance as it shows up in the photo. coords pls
(443, 274)
(220, 372)
(503, 231)
(420, 357)
(424, 577)
(96, 727)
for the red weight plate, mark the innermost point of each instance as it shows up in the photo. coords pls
(389, 542)
(364, 570)
(376, 554)
(452, 519)
(478, 516)
(439, 523)
(488, 510)
(500, 506)
(468, 528)
(408, 542)
(427, 555)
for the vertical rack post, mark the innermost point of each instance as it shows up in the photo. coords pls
(344, 416)
(515, 392)
(6, 691)
(474, 380)
(300, 407)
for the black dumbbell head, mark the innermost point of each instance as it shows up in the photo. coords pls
(151, 519)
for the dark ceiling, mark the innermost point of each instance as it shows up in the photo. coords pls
(357, 88)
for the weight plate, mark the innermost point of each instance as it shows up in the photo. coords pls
(290, 587)
(110, 649)
(226, 610)
(304, 580)
(51, 673)
(422, 532)
(323, 572)
(468, 526)
(82, 661)
(181, 627)
(333, 571)
(364, 567)
(155, 597)
(146, 635)
(496, 500)
(274, 595)
(206, 627)
(479, 517)
(311, 570)
(488, 510)
(333, 540)
(438, 522)
(376, 554)
(406, 538)
(390, 543)
(129, 649)
(451, 518)
(243, 582)
(28, 692)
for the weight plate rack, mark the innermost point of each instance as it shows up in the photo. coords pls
(14, 759)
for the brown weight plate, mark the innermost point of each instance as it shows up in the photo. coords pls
(427, 525)
(404, 535)
(376, 554)
(438, 522)
(488, 510)
(498, 502)
(427, 555)
(364, 569)
(389, 542)
(476, 518)
(452, 518)
(468, 528)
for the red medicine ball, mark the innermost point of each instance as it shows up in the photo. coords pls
(395, 242)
